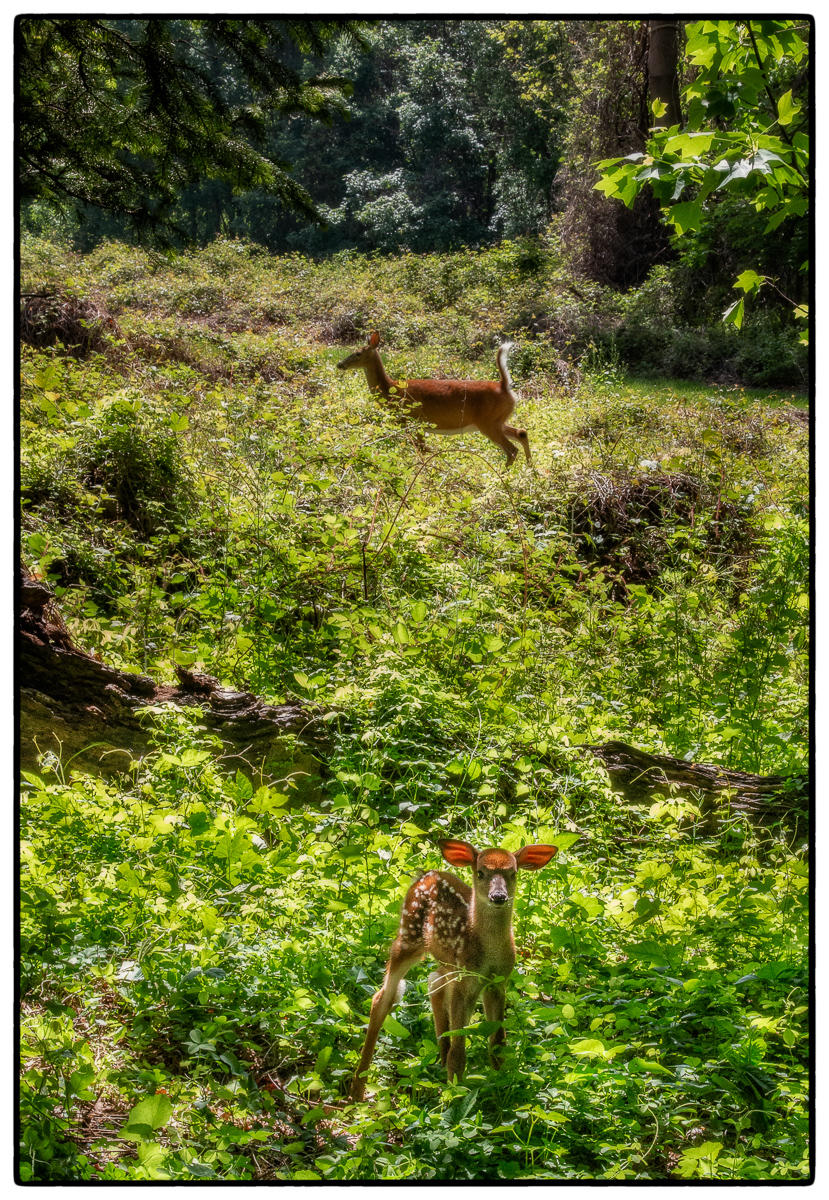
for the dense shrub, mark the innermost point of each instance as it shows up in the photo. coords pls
(130, 452)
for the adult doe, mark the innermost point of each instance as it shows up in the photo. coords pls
(448, 405)
(468, 931)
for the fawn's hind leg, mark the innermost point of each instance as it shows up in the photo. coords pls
(400, 961)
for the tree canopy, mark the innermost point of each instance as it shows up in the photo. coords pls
(746, 132)
(125, 114)
(432, 134)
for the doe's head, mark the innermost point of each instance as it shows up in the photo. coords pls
(496, 870)
(362, 356)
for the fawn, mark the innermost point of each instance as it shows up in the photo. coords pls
(448, 405)
(468, 931)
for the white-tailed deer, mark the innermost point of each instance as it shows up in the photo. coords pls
(468, 931)
(448, 405)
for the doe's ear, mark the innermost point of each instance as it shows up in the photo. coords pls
(533, 857)
(459, 854)
(374, 339)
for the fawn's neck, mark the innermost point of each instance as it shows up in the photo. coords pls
(492, 924)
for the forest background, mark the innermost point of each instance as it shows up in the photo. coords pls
(213, 213)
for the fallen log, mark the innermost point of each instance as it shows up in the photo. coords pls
(88, 713)
(718, 791)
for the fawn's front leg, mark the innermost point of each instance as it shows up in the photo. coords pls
(495, 999)
(462, 997)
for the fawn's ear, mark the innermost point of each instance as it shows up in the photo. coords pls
(533, 857)
(459, 854)
(374, 339)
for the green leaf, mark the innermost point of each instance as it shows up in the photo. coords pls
(686, 217)
(152, 1156)
(150, 1114)
(642, 1065)
(340, 1006)
(690, 143)
(588, 1048)
(733, 315)
(787, 108)
(191, 757)
(393, 1026)
(401, 634)
(749, 281)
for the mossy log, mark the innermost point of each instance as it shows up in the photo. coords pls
(87, 713)
(767, 799)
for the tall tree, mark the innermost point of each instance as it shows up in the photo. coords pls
(610, 243)
(663, 70)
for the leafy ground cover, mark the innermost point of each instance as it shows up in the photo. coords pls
(198, 950)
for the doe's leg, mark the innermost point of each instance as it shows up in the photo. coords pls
(498, 436)
(520, 435)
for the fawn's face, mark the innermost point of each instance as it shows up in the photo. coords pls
(495, 875)
(495, 870)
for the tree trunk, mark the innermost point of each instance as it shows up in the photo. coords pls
(663, 70)
(767, 799)
(83, 711)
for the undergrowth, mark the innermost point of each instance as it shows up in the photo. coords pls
(199, 949)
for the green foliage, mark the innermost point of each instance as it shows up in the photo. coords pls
(122, 115)
(746, 132)
(451, 137)
(445, 145)
(198, 947)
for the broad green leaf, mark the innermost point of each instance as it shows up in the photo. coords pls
(588, 1048)
(787, 108)
(340, 1006)
(685, 217)
(401, 634)
(690, 143)
(749, 281)
(191, 757)
(733, 315)
(643, 1065)
(393, 1026)
(149, 1114)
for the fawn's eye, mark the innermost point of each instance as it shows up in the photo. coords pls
(481, 875)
